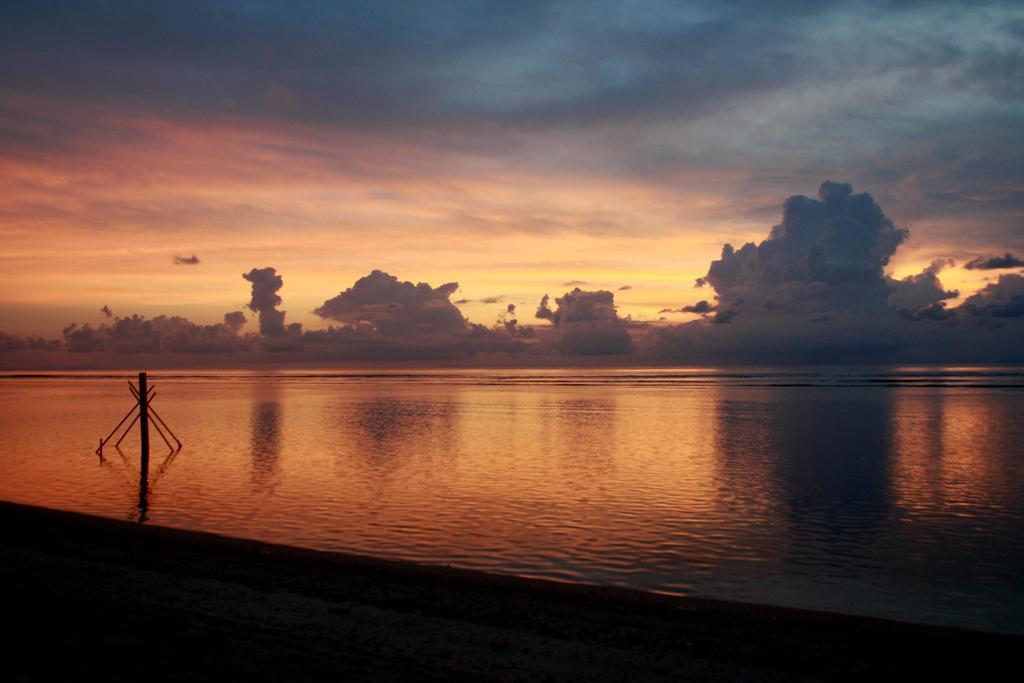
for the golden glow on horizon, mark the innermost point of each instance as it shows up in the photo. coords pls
(99, 225)
(114, 217)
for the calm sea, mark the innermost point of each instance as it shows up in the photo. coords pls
(893, 492)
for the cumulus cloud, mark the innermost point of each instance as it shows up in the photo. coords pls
(106, 311)
(587, 323)
(1007, 260)
(394, 308)
(815, 291)
(579, 306)
(265, 300)
(192, 260)
(827, 254)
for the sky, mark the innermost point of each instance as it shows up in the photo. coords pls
(153, 153)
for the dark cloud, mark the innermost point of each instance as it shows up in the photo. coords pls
(1008, 260)
(624, 288)
(544, 311)
(14, 343)
(1001, 299)
(522, 64)
(361, 344)
(162, 334)
(486, 300)
(388, 64)
(106, 311)
(703, 307)
(265, 300)
(234, 320)
(587, 323)
(724, 316)
(932, 311)
(509, 323)
(192, 260)
(394, 308)
(594, 339)
(922, 291)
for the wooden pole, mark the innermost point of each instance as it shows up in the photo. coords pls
(144, 421)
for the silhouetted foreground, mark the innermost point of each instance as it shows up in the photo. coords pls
(115, 600)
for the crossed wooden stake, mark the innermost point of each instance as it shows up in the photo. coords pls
(142, 410)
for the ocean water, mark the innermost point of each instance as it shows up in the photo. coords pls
(893, 492)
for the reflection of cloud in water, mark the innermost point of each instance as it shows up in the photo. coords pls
(386, 431)
(265, 446)
(586, 434)
(837, 460)
(387, 421)
(821, 461)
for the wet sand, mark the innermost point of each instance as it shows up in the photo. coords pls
(87, 596)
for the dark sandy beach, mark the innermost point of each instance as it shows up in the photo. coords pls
(91, 597)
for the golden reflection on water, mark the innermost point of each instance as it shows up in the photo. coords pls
(847, 498)
(952, 450)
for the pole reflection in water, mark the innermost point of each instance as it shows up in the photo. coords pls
(145, 485)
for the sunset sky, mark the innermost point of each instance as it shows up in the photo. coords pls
(519, 149)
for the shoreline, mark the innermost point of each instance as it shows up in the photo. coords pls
(186, 604)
